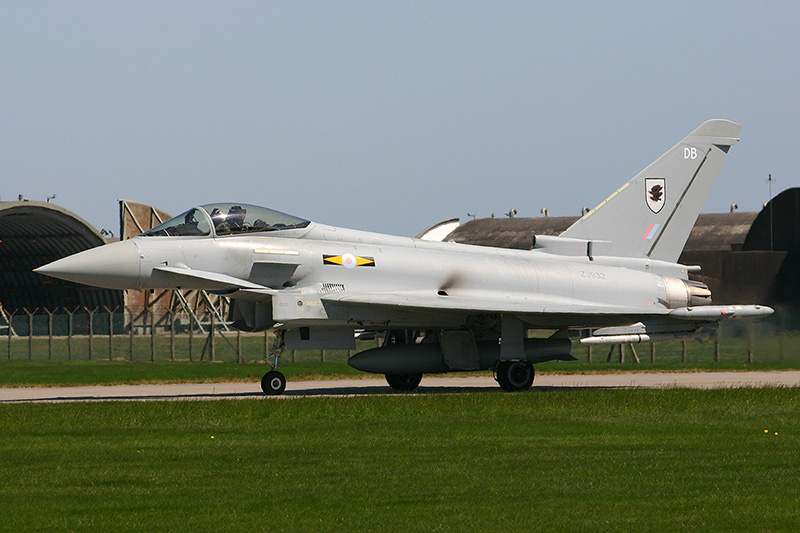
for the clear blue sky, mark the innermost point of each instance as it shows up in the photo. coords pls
(387, 116)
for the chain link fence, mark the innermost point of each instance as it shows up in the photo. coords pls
(115, 335)
(112, 334)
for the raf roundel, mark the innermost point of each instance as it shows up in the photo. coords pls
(349, 260)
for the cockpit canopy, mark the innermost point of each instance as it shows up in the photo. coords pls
(226, 219)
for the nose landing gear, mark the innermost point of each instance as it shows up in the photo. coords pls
(274, 382)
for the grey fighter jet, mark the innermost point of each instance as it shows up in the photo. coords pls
(444, 306)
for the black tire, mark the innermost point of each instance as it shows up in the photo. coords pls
(273, 383)
(403, 382)
(514, 376)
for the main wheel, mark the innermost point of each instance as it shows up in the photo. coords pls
(273, 382)
(403, 382)
(514, 375)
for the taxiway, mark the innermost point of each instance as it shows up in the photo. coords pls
(351, 387)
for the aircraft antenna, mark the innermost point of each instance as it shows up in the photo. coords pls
(771, 238)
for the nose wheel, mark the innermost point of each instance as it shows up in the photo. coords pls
(273, 382)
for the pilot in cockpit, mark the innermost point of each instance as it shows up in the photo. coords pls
(189, 226)
(189, 219)
(236, 216)
(218, 217)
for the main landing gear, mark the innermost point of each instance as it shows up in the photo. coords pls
(514, 376)
(274, 382)
(403, 382)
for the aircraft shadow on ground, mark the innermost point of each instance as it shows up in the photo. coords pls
(386, 391)
(296, 393)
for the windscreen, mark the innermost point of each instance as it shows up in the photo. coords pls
(191, 222)
(244, 218)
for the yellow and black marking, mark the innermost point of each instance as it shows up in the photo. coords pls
(348, 260)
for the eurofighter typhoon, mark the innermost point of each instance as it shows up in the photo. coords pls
(443, 306)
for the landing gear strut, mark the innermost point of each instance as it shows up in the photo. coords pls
(273, 381)
(514, 376)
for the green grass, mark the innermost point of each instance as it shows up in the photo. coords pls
(559, 460)
(73, 373)
(583, 367)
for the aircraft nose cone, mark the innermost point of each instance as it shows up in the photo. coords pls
(112, 266)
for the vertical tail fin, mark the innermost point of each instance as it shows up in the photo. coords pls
(653, 214)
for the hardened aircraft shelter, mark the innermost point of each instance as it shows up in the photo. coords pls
(33, 234)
